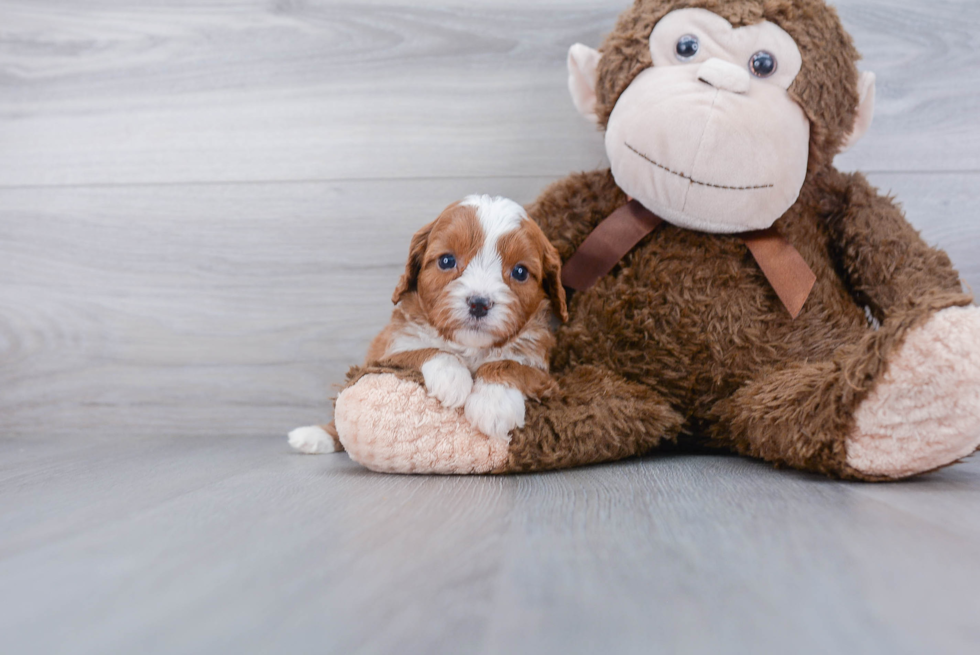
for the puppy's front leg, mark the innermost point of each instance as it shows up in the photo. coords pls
(446, 378)
(496, 405)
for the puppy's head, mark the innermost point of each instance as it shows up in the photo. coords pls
(481, 271)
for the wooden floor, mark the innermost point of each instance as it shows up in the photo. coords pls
(204, 207)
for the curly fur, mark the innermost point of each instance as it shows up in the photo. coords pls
(690, 316)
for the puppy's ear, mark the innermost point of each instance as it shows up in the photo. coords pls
(551, 265)
(416, 253)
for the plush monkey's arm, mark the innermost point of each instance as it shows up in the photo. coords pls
(569, 209)
(888, 265)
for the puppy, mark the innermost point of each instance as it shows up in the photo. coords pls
(473, 312)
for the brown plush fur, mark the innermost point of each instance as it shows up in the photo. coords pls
(691, 318)
(685, 339)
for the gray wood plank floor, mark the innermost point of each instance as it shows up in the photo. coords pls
(233, 544)
(204, 206)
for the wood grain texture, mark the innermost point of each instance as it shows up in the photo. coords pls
(164, 92)
(191, 310)
(237, 545)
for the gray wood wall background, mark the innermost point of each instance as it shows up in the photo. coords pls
(205, 204)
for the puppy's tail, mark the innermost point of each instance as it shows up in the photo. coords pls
(316, 439)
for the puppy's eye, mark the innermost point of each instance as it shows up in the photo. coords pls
(763, 64)
(520, 273)
(687, 47)
(447, 262)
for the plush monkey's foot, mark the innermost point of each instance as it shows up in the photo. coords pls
(393, 426)
(925, 413)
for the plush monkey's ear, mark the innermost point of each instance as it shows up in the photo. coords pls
(416, 254)
(551, 283)
(583, 75)
(865, 110)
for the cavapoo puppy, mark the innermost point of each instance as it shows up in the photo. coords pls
(473, 312)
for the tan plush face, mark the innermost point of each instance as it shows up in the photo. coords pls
(714, 131)
(708, 138)
(482, 270)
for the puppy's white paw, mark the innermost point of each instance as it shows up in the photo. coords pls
(447, 380)
(495, 409)
(311, 440)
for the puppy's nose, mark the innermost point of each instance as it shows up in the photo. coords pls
(479, 306)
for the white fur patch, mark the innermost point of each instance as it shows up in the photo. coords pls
(311, 440)
(484, 277)
(447, 380)
(497, 215)
(417, 336)
(495, 409)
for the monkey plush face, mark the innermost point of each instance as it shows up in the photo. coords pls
(709, 136)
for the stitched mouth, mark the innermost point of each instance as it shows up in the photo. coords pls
(698, 182)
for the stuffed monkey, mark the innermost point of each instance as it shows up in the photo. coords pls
(851, 349)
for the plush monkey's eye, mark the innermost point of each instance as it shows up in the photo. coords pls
(520, 273)
(447, 262)
(763, 64)
(687, 47)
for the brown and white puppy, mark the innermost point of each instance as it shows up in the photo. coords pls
(472, 313)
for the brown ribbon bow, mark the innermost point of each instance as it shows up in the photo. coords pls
(781, 263)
